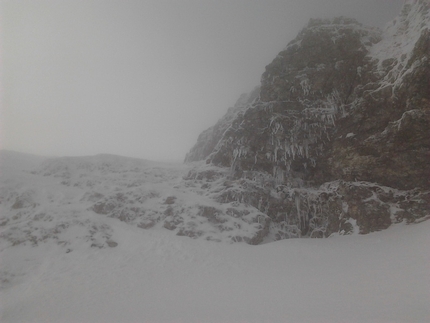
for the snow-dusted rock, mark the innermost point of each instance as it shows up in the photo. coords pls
(209, 140)
(343, 106)
(74, 200)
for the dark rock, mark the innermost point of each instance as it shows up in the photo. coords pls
(212, 214)
(146, 224)
(170, 200)
(264, 226)
(169, 225)
(111, 244)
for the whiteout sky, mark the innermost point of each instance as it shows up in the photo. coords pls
(141, 78)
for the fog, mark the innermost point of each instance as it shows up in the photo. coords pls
(141, 78)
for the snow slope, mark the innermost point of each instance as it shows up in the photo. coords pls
(62, 262)
(154, 276)
(47, 200)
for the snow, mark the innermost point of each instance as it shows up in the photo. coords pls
(64, 263)
(399, 40)
(350, 134)
(154, 276)
(401, 34)
(62, 194)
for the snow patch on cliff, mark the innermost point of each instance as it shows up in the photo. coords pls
(395, 50)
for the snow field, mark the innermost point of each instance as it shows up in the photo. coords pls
(154, 276)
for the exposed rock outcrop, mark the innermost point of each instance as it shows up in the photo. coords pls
(210, 139)
(337, 139)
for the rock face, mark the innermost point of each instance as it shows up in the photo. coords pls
(336, 138)
(210, 139)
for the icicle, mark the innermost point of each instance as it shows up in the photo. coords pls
(297, 200)
(260, 202)
(235, 153)
(287, 150)
(331, 118)
(306, 148)
(305, 86)
(300, 151)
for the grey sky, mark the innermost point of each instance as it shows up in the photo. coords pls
(141, 78)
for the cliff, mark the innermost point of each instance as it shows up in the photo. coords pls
(337, 139)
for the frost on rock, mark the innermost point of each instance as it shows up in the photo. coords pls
(397, 55)
(199, 201)
(84, 198)
(342, 103)
(209, 139)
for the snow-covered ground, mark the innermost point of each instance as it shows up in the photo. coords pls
(60, 261)
(154, 276)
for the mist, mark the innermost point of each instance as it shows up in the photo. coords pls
(141, 78)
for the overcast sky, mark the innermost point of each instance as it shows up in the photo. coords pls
(141, 78)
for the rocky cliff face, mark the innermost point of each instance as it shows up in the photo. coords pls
(336, 138)
(210, 139)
